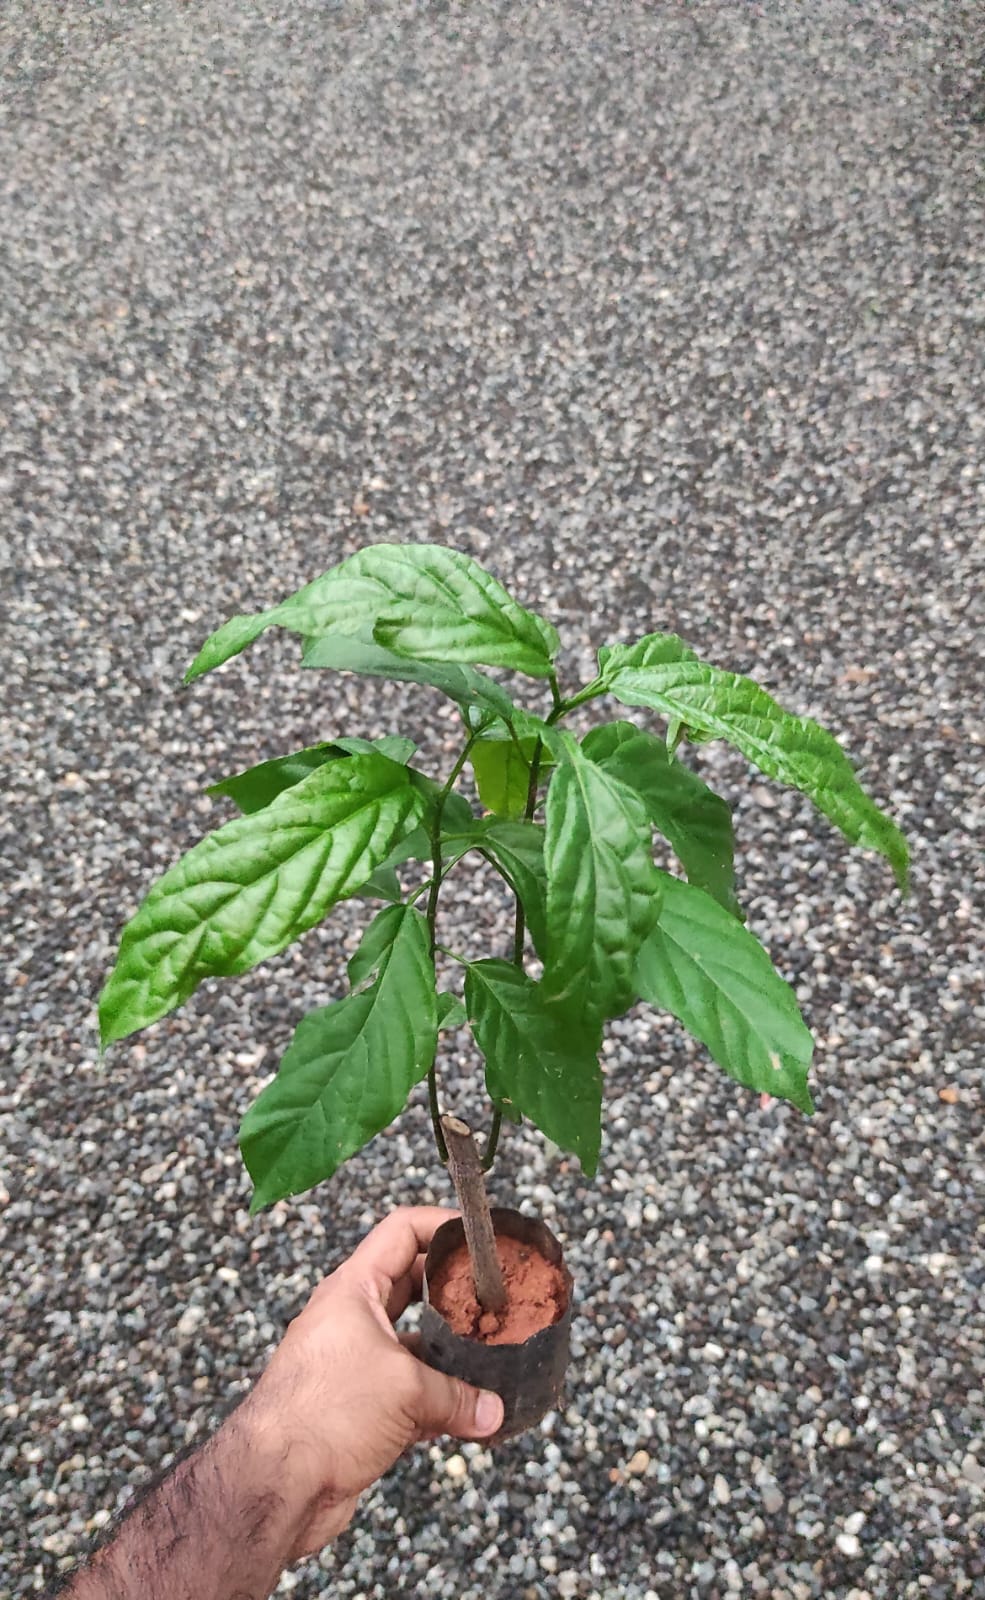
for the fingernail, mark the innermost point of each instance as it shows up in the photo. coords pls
(488, 1412)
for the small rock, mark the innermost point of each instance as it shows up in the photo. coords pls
(720, 1491)
(456, 1468)
(848, 1544)
(638, 1463)
(854, 1523)
(190, 1321)
(772, 1498)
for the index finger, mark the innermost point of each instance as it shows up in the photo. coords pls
(396, 1242)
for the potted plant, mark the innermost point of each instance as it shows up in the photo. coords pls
(569, 824)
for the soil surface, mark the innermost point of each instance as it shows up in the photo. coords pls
(537, 1295)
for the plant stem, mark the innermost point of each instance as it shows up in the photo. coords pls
(591, 691)
(466, 1171)
(519, 934)
(432, 922)
(489, 1155)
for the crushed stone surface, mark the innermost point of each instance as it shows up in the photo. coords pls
(670, 313)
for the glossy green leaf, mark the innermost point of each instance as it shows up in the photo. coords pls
(502, 774)
(257, 786)
(695, 821)
(247, 890)
(350, 1066)
(517, 848)
(383, 884)
(539, 1060)
(602, 886)
(655, 650)
(723, 705)
(359, 653)
(421, 600)
(716, 978)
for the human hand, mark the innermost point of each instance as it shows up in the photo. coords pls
(344, 1396)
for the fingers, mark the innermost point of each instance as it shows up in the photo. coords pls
(405, 1290)
(396, 1242)
(447, 1405)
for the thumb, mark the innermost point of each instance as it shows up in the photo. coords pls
(447, 1405)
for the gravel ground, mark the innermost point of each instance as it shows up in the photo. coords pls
(668, 312)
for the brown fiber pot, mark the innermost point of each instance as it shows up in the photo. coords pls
(529, 1377)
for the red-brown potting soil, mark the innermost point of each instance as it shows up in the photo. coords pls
(536, 1294)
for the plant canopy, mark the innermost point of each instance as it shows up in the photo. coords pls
(570, 825)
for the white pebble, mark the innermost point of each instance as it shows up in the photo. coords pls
(190, 1321)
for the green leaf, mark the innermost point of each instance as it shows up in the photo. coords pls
(602, 886)
(247, 890)
(257, 786)
(421, 600)
(709, 971)
(655, 650)
(451, 1012)
(359, 653)
(523, 724)
(723, 705)
(696, 821)
(350, 1066)
(517, 848)
(457, 814)
(539, 1059)
(383, 884)
(502, 774)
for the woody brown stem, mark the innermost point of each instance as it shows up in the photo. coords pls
(466, 1171)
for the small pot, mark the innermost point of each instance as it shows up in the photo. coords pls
(528, 1377)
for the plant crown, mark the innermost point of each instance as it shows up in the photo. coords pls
(569, 825)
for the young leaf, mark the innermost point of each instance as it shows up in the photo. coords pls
(257, 786)
(383, 884)
(502, 774)
(716, 978)
(602, 886)
(359, 653)
(451, 1012)
(723, 705)
(247, 890)
(421, 600)
(517, 848)
(539, 1060)
(350, 1066)
(456, 813)
(696, 821)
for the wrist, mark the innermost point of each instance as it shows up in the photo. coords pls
(253, 1454)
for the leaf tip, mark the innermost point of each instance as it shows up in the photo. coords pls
(589, 1160)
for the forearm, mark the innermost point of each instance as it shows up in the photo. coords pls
(220, 1527)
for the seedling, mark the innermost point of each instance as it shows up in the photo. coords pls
(567, 822)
